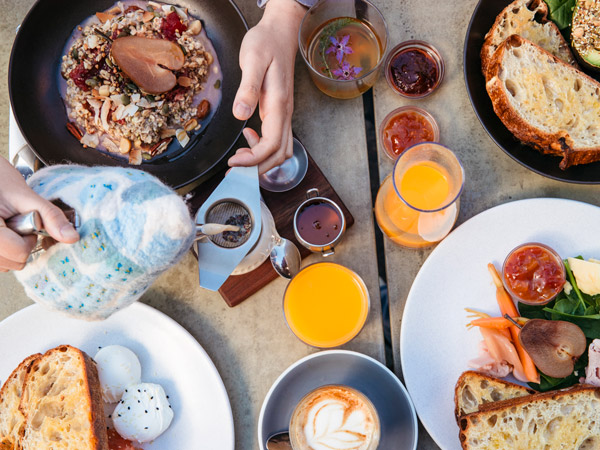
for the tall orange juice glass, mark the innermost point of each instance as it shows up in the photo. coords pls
(418, 203)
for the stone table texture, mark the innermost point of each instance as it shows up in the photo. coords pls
(491, 177)
(251, 344)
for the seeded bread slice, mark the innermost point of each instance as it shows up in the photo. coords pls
(474, 389)
(544, 102)
(556, 420)
(62, 403)
(12, 422)
(529, 19)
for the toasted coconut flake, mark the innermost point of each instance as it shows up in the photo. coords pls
(182, 137)
(104, 113)
(90, 140)
(167, 132)
(110, 145)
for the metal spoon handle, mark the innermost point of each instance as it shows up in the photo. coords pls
(26, 224)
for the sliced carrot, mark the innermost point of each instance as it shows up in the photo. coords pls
(507, 306)
(492, 322)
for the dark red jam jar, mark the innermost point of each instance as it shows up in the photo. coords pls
(414, 69)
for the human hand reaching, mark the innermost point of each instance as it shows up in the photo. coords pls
(267, 61)
(16, 197)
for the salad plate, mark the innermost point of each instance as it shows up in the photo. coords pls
(168, 354)
(435, 344)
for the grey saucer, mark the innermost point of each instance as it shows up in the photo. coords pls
(391, 400)
(288, 175)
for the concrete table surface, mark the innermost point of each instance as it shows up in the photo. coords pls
(491, 177)
(251, 344)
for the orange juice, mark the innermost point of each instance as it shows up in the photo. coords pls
(424, 186)
(423, 205)
(326, 305)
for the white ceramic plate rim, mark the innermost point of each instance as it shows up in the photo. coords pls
(261, 438)
(565, 225)
(139, 315)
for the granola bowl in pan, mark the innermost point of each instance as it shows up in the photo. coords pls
(129, 83)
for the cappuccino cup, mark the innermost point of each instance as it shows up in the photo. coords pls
(334, 417)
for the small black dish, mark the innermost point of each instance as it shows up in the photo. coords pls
(482, 20)
(40, 112)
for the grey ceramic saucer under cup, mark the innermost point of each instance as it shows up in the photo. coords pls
(395, 409)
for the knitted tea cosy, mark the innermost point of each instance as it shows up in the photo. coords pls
(133, 228)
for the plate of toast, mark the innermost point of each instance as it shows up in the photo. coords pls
(436, 346)
(52, 353)
(531, 94)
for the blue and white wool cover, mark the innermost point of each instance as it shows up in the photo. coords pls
(133, 228)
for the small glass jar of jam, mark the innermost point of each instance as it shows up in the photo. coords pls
(405, 127)
(533, 273)
(414, 69)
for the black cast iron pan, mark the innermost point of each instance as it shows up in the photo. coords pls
(482, 20)
(40, 113)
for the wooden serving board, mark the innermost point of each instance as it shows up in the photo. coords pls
(283, 205)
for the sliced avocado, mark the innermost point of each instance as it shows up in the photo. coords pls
(592, 57)
(585, 33)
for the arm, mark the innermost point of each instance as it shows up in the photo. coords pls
(15, 198)
(267, 61)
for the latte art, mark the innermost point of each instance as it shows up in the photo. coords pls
(335, 418)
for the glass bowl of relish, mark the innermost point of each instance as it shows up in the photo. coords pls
(404, 127)
(533, 273)
(414, 69)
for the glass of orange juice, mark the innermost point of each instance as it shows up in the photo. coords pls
(417, 204)
(326, 305)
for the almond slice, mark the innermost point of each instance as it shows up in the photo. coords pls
(104, 17)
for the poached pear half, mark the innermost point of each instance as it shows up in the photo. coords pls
(553, 345)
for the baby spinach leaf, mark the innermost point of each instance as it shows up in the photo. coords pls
(561, 12)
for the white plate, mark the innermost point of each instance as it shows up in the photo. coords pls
(435, 345)
(169, 355)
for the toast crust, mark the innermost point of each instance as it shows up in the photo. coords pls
(470, 377)
(11, 439)
(511, 406)
(557, 144)
(91, 387)
(539, 14)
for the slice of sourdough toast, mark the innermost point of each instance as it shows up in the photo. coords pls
(529, 19)
(474, 389)
(62, 403)
(566, 419)
(545, 102)
(12, 422)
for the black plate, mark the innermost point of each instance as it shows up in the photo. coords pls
(482, 20)
(40, 112)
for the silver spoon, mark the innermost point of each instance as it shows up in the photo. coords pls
(209, 229)
(279, 441)
(285, 257)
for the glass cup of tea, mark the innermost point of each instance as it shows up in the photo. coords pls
(343, 43)
(326, 305)
(418, 203)
(319, 223)
(316, 423)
